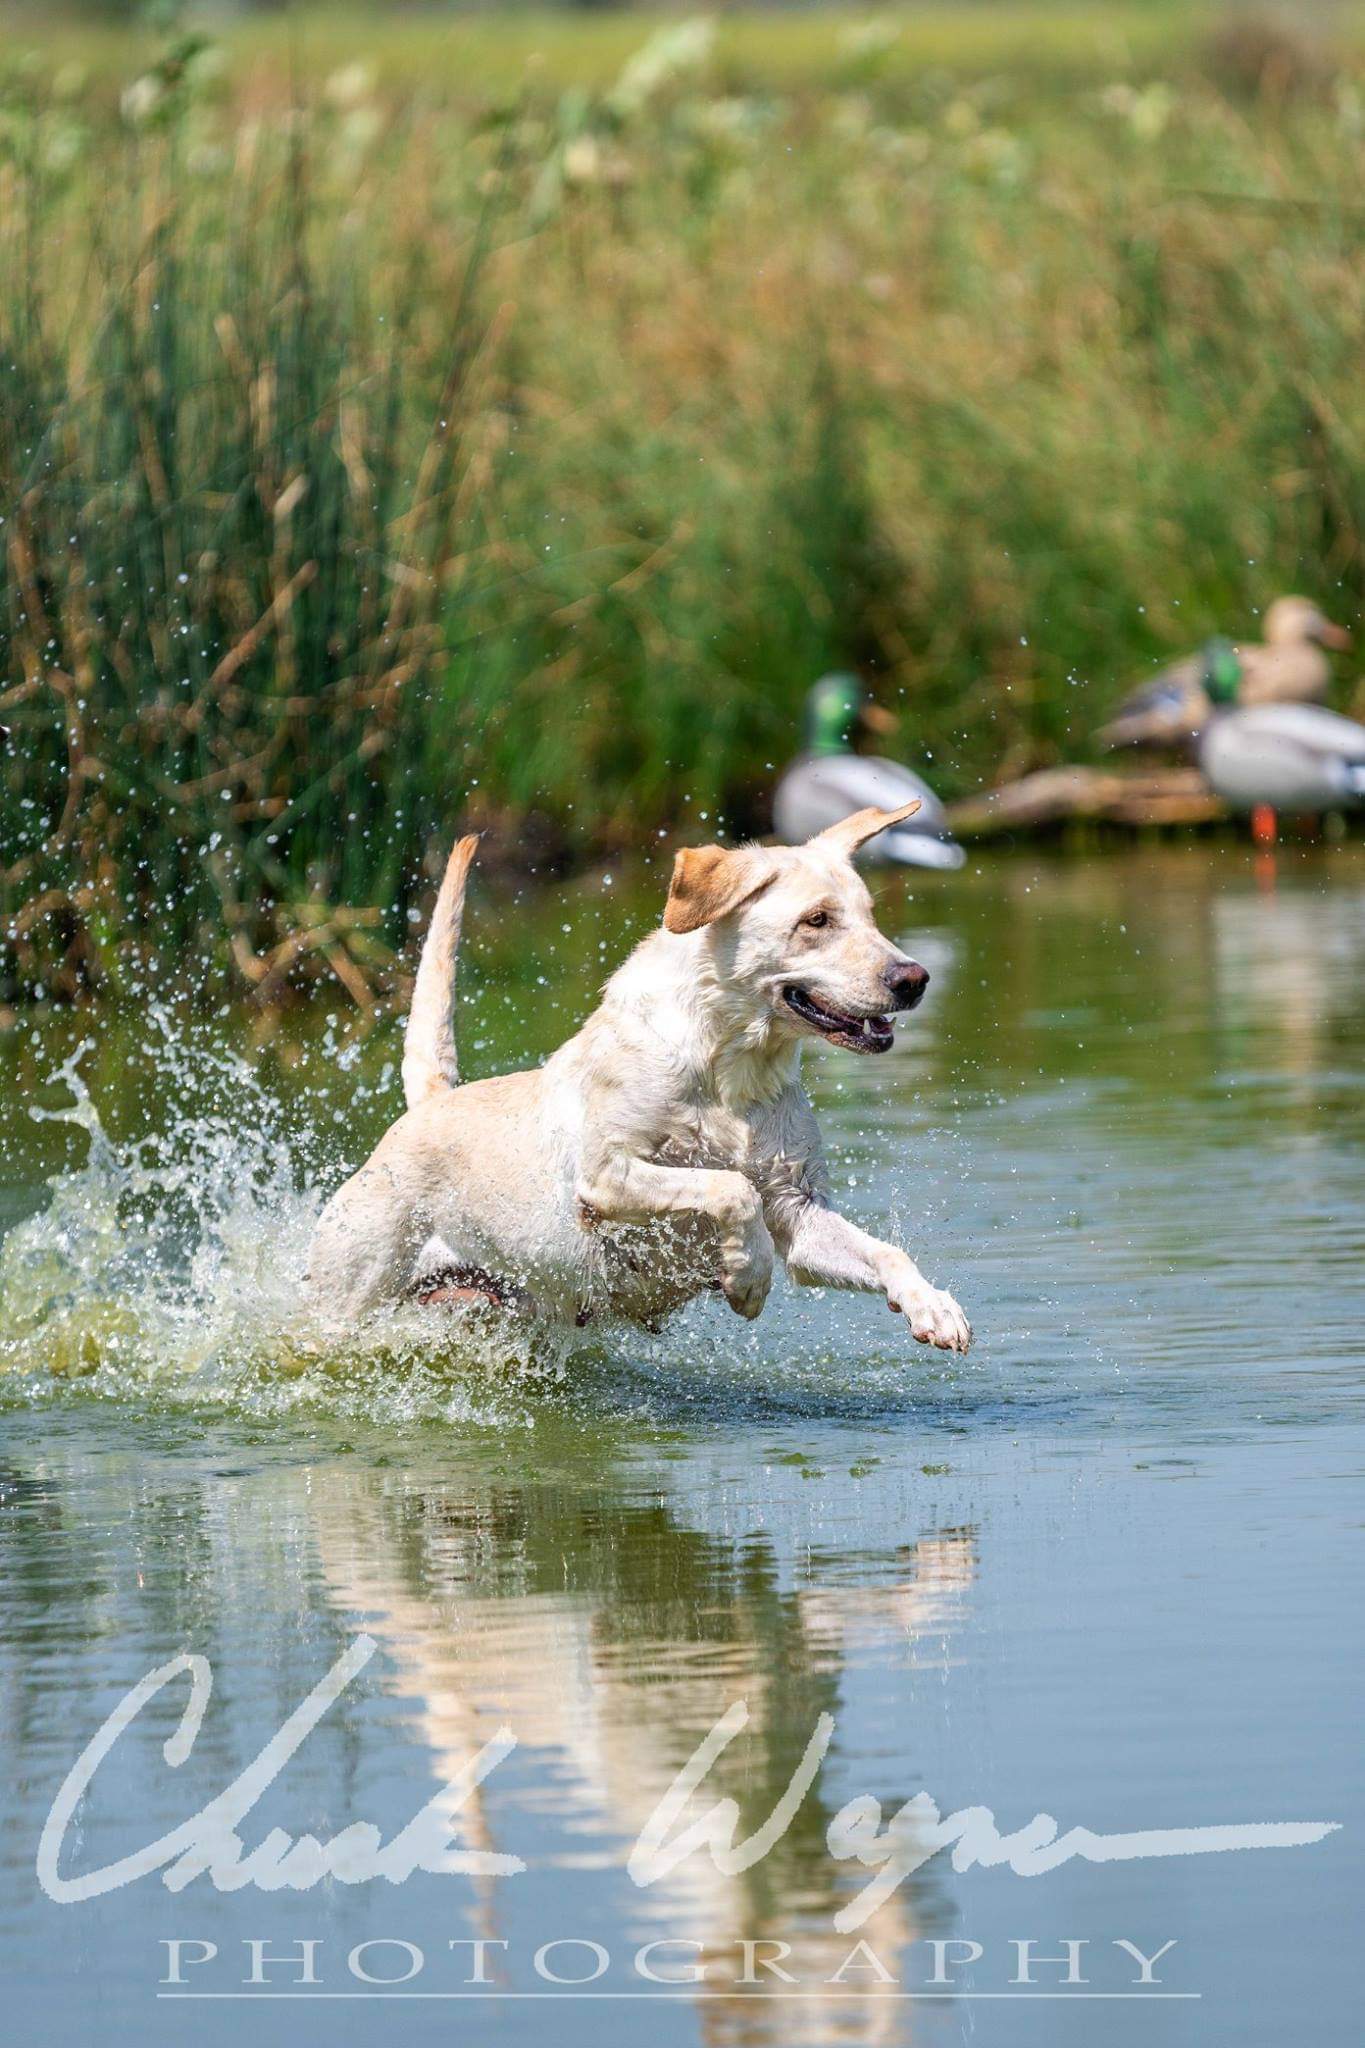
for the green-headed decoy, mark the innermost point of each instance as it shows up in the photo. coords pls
(828, 781)
(1269, 758)
(1287, 667)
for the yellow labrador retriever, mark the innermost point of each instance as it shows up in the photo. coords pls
(669, 1146)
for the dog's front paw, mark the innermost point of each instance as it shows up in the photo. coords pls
(746, 1276)
(934, 1317)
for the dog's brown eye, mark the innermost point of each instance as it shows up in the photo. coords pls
(817, 919)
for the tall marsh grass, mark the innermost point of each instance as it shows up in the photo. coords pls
(386, 445)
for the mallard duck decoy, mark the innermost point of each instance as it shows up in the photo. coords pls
(1268, 758)
(828, 781)
(1287, 667)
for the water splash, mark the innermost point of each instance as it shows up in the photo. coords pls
(170, 1266)
(168, 1269)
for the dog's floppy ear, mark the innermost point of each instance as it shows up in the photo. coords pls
(851, 833)
(710, 881)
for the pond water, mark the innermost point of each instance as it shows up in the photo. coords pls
(1106, 1568)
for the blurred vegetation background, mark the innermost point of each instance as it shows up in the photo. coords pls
(432, 420)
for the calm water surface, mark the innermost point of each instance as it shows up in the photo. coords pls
(1108, 1568)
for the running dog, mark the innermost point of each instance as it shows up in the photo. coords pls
(669, 1146)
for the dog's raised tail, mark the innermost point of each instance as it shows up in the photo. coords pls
(430, 1061)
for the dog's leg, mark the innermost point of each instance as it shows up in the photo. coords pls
(627, 1190)
(364, 1248)
(823, 1249)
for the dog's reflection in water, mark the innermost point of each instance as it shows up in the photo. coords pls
(612, 1638)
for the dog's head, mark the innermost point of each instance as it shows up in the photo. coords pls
(792, 929)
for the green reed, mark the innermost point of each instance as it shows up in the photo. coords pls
(386, 445)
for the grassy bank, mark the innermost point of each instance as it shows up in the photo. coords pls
(412, 424)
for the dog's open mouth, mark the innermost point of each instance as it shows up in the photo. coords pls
(859, 1034)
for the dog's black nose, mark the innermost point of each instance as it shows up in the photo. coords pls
(907, 981)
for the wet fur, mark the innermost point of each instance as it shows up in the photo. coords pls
(667, 1148)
